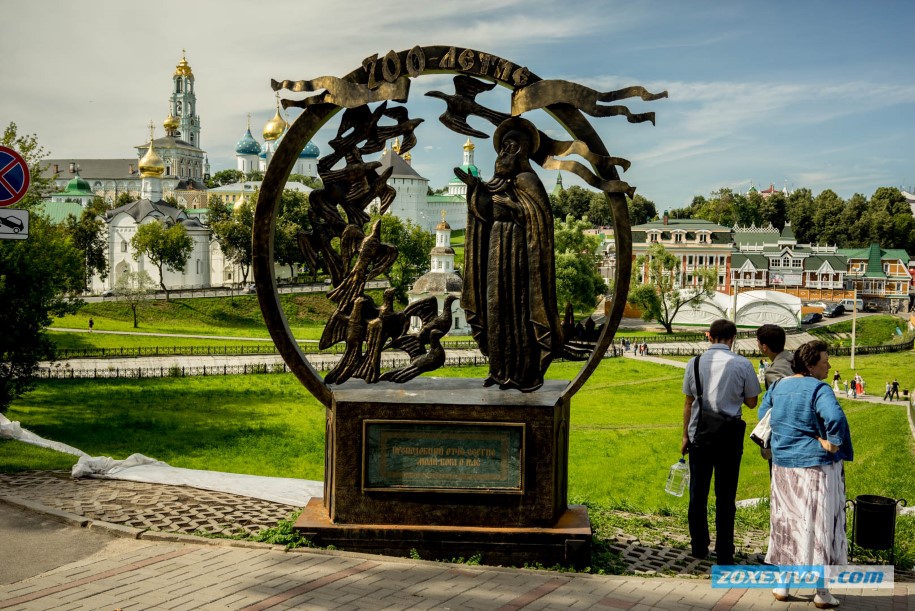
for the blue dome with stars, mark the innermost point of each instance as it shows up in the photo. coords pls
(247, 145)
(310, 151)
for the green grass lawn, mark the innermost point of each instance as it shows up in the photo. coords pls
(869, 331)
(625, 432)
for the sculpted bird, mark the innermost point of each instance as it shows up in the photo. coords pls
(429, 361)
(374, 258)
(353, 336)
(386, 325)
(414, 344)
(462, 105)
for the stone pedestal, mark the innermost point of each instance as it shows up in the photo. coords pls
(441, 464)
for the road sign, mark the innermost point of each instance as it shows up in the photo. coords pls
(14, 224)
(14, 177)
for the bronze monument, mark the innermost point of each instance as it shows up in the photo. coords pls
(446, 466)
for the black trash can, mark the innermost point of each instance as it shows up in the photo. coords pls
(874, 523)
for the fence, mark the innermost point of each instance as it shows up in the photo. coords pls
(238, 350)
(176, 371)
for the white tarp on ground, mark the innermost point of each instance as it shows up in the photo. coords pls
(139, 468)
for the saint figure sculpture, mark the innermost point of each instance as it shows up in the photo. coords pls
(509, 292)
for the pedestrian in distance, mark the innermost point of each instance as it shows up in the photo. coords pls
(91, 325)
(810, 443)
(835, 380)
(716, 384)
(895, 389)
(889, 391)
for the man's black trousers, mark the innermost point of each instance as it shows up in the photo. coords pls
(722, 458)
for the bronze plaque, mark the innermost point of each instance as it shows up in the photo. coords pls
(443, 456)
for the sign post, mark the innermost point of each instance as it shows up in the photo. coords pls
(14, 177)
(14, 224)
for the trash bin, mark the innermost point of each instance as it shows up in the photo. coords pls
(874, 522)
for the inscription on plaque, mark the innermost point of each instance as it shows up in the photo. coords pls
(443, 456)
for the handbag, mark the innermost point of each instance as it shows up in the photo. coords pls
(712, 427)
(762, 432)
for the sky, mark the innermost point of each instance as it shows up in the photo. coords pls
(800, 93)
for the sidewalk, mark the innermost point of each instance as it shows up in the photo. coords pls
(150, 568)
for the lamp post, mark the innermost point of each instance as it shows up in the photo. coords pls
(854, 320)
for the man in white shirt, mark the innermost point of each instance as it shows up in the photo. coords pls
(714, 438)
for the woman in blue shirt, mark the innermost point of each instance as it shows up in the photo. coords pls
(810, 442)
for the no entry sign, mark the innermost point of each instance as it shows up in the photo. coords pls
(14, 177)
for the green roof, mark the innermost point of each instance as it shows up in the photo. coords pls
(59, 211)
(684, 224)
(758, 261)
(445, 199)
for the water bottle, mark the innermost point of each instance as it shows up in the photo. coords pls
(678, 478)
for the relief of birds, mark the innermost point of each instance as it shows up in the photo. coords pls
(430, 361)
(353, 336)
(374, 258)
(388, 324)
(427, 311)
(463, 104)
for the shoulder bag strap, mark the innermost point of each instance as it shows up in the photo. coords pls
(698, 396)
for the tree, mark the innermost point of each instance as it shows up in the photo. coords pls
(225, 177)
(599, 212)
(575, 201)
(89, 236)
(165, 247)
(641, 210)
(413, 245)
(232, 229)
(39, 277)
(134, 288)
(123, 199)
(773, 209)
(578, 280)
(254, 175)
(801, 212)
(660, 296)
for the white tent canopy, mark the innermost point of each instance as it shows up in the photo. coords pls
(753, 309)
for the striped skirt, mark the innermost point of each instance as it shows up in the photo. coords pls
(807, 516)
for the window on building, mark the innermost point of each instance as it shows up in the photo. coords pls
(678, 237)
(123, 245)
(689, 259)
(198, 266)
(796, 263)
(701, 260)
(702, 238)
(689, 279)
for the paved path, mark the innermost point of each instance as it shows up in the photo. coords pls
(172, 571)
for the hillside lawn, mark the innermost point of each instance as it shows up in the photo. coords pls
(625, 432)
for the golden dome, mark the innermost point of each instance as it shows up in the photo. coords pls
(151, 165)
(469, 146)
(276, 126)
(171, 122)
(396, 146)
(183, 69)
(407, 156)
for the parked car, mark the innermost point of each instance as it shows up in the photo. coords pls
(850, 304)
(811, 318)
(250, 289)
(817, 304)
(12, 222)
(108, 293)
(871, 306)
(834, 309)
